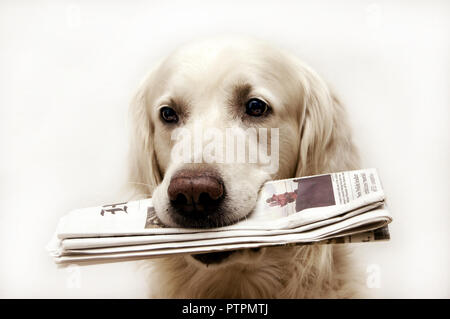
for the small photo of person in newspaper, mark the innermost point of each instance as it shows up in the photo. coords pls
(311, 192)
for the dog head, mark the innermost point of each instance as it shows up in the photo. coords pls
(189, 105)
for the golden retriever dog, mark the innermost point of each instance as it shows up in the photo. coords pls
(237, 83)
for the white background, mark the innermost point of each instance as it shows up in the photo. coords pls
(68, 70)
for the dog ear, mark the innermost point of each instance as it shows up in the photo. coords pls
(144, 172)
(325, 136)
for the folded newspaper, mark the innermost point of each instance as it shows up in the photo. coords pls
(331, 208)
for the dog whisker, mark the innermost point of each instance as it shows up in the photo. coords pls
(138, 183)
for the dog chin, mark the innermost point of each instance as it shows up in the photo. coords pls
(213, 258)
(225, 258)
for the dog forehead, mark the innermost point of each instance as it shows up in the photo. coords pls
(206, 73)
(207, 70)
(215, 59)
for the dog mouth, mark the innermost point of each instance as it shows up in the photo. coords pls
(213, 258)
(219, 257)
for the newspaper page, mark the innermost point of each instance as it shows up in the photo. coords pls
(312, 209)
(317, 198)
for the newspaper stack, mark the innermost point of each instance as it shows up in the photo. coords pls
(331, 208)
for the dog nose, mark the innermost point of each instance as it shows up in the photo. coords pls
(196, 194)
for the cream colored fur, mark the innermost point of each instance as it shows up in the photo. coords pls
(314, 138)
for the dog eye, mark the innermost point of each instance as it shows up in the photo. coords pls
(256, 107)
(168, 114)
